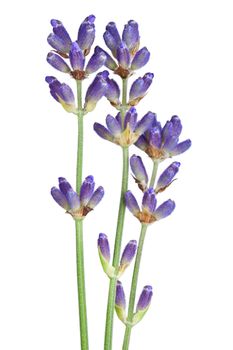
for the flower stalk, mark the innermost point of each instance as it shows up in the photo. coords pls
(119, 230)
(79, 230)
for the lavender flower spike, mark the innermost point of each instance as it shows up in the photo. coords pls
(120, 303)
(68, 199)
(139, 172)
(166, 178)
(139, 88)
(57, 62)
(127, 256)
(86, 34)
(95, 91)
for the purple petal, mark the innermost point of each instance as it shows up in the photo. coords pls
(109, 63)
(96, 197)
(123, 56)
(57, 62)
(103, 245)
(139, 169)
(149, 201)
(112, 29)
(167, 176)
(64, 185)
(86, 34)
(128, 253)
(141, 143)
(73, 199)
(141, 58)
(131, 36)
(60, 31)
(145, 123)
(155, 137)
(60, 198)
(131, 203)
(113, 92)
(96, 90)
(131, 118)
(113, 126)
(58, 44)
(145, 298)
(165, 209)
(120, 296)
(103, 132)
(96, 61)
(86, 190)
(181, 147)
(110, 42)
(77, 59)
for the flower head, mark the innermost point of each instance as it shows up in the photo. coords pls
(125, 49)
(149, 212)
(162, 143)
(124, 132)
(75, 205)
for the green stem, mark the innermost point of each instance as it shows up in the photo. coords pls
(79, 230)
(119, 231)
(134, 282)
(154, 173)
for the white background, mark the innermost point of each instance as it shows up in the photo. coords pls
(188, 257)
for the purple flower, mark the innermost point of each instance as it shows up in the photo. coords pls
(57, 62)
(77, 59)
(95, 91)
(109, 62)
(139, 172)
(120, 303)
(166, 178)
(124, 49)
(96, 61)
(62, 93)
(162, 143)
(124, 133)
(103, 246)
(59, 39)
(144, 299)
(113, 93)
(68, 199)
(127, 256)
(139, 88)
(149, 213)
(86, 34)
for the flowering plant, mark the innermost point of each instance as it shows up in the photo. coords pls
(125, 130)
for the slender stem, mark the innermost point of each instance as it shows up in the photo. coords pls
(119, 231)
(81, 285)
(154, 173)
(79, 230)
(134, 282)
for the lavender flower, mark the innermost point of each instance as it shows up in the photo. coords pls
(59, 39)
(120, 303)
(104, 255)
(62, 93)
(124, 133)
(162, 143)
(124, 49)
(95, 91)
(143, 304)
(127, 256)
(139, 88)
(75, 205)
(76, 51)
(167, 177)
(148, 214)
(139, 172)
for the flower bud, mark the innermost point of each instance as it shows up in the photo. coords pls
(140, 59)
(149, 201)
(164, 209)
(143, 304)
(86, 190)
(120, 303)
(86, 34)
(60, 39)
(139, 172)
(57, 62)
(132, 203)
(167, 177)
(109, 63)
(113, 92)
(139, 88)
(96, 197)
(95, 91)
(127, 256)
(131, 36)
(77, 59)
(104, 254)
(123, 56)
(96, 61)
